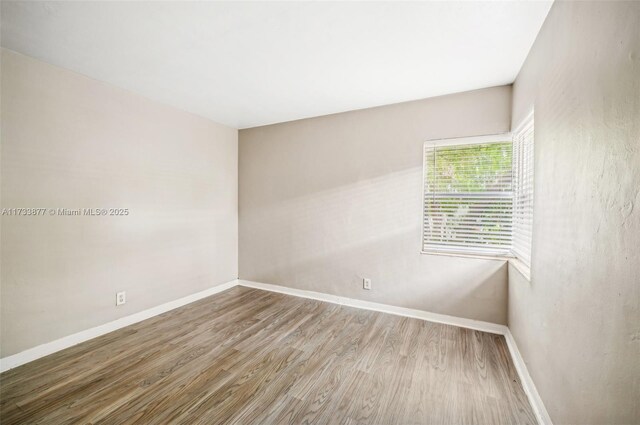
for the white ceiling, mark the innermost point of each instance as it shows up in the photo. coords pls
(248, 64)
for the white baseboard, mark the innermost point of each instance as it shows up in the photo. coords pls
(527, 383)
(384, 308)
(68, 341)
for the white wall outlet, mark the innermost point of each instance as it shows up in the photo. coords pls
(366, 283)
(121, 298)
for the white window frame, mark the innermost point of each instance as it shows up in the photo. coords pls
(524, 148)
(457, 141)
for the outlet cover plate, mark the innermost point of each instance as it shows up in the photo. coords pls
(366, 284)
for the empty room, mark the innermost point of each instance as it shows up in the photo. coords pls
(327, 212)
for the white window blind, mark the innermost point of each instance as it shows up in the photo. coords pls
(468, 198)
(523, 190)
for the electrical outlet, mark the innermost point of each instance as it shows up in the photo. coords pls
(121, 298)
(366, 284)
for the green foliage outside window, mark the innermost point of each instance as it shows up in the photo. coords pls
(468, 198)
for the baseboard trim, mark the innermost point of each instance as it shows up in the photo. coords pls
(43, 350)
(384, 308)
(527, 383)
(39, 351)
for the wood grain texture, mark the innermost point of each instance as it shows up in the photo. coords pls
(247, 356)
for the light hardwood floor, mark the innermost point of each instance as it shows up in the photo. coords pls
(246, 356)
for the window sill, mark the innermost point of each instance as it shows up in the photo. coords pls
(463, 255)
(522, 268)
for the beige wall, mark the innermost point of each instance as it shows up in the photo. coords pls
(71, 142)
(577, 323)
(328, 200)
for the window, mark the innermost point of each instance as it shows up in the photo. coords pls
(523, 190)
(468, 196)
(478, 194)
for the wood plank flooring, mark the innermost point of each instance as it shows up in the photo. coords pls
(246, 356)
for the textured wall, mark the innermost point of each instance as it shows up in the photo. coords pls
(577, 323)
(328, 200)
(71, 142)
